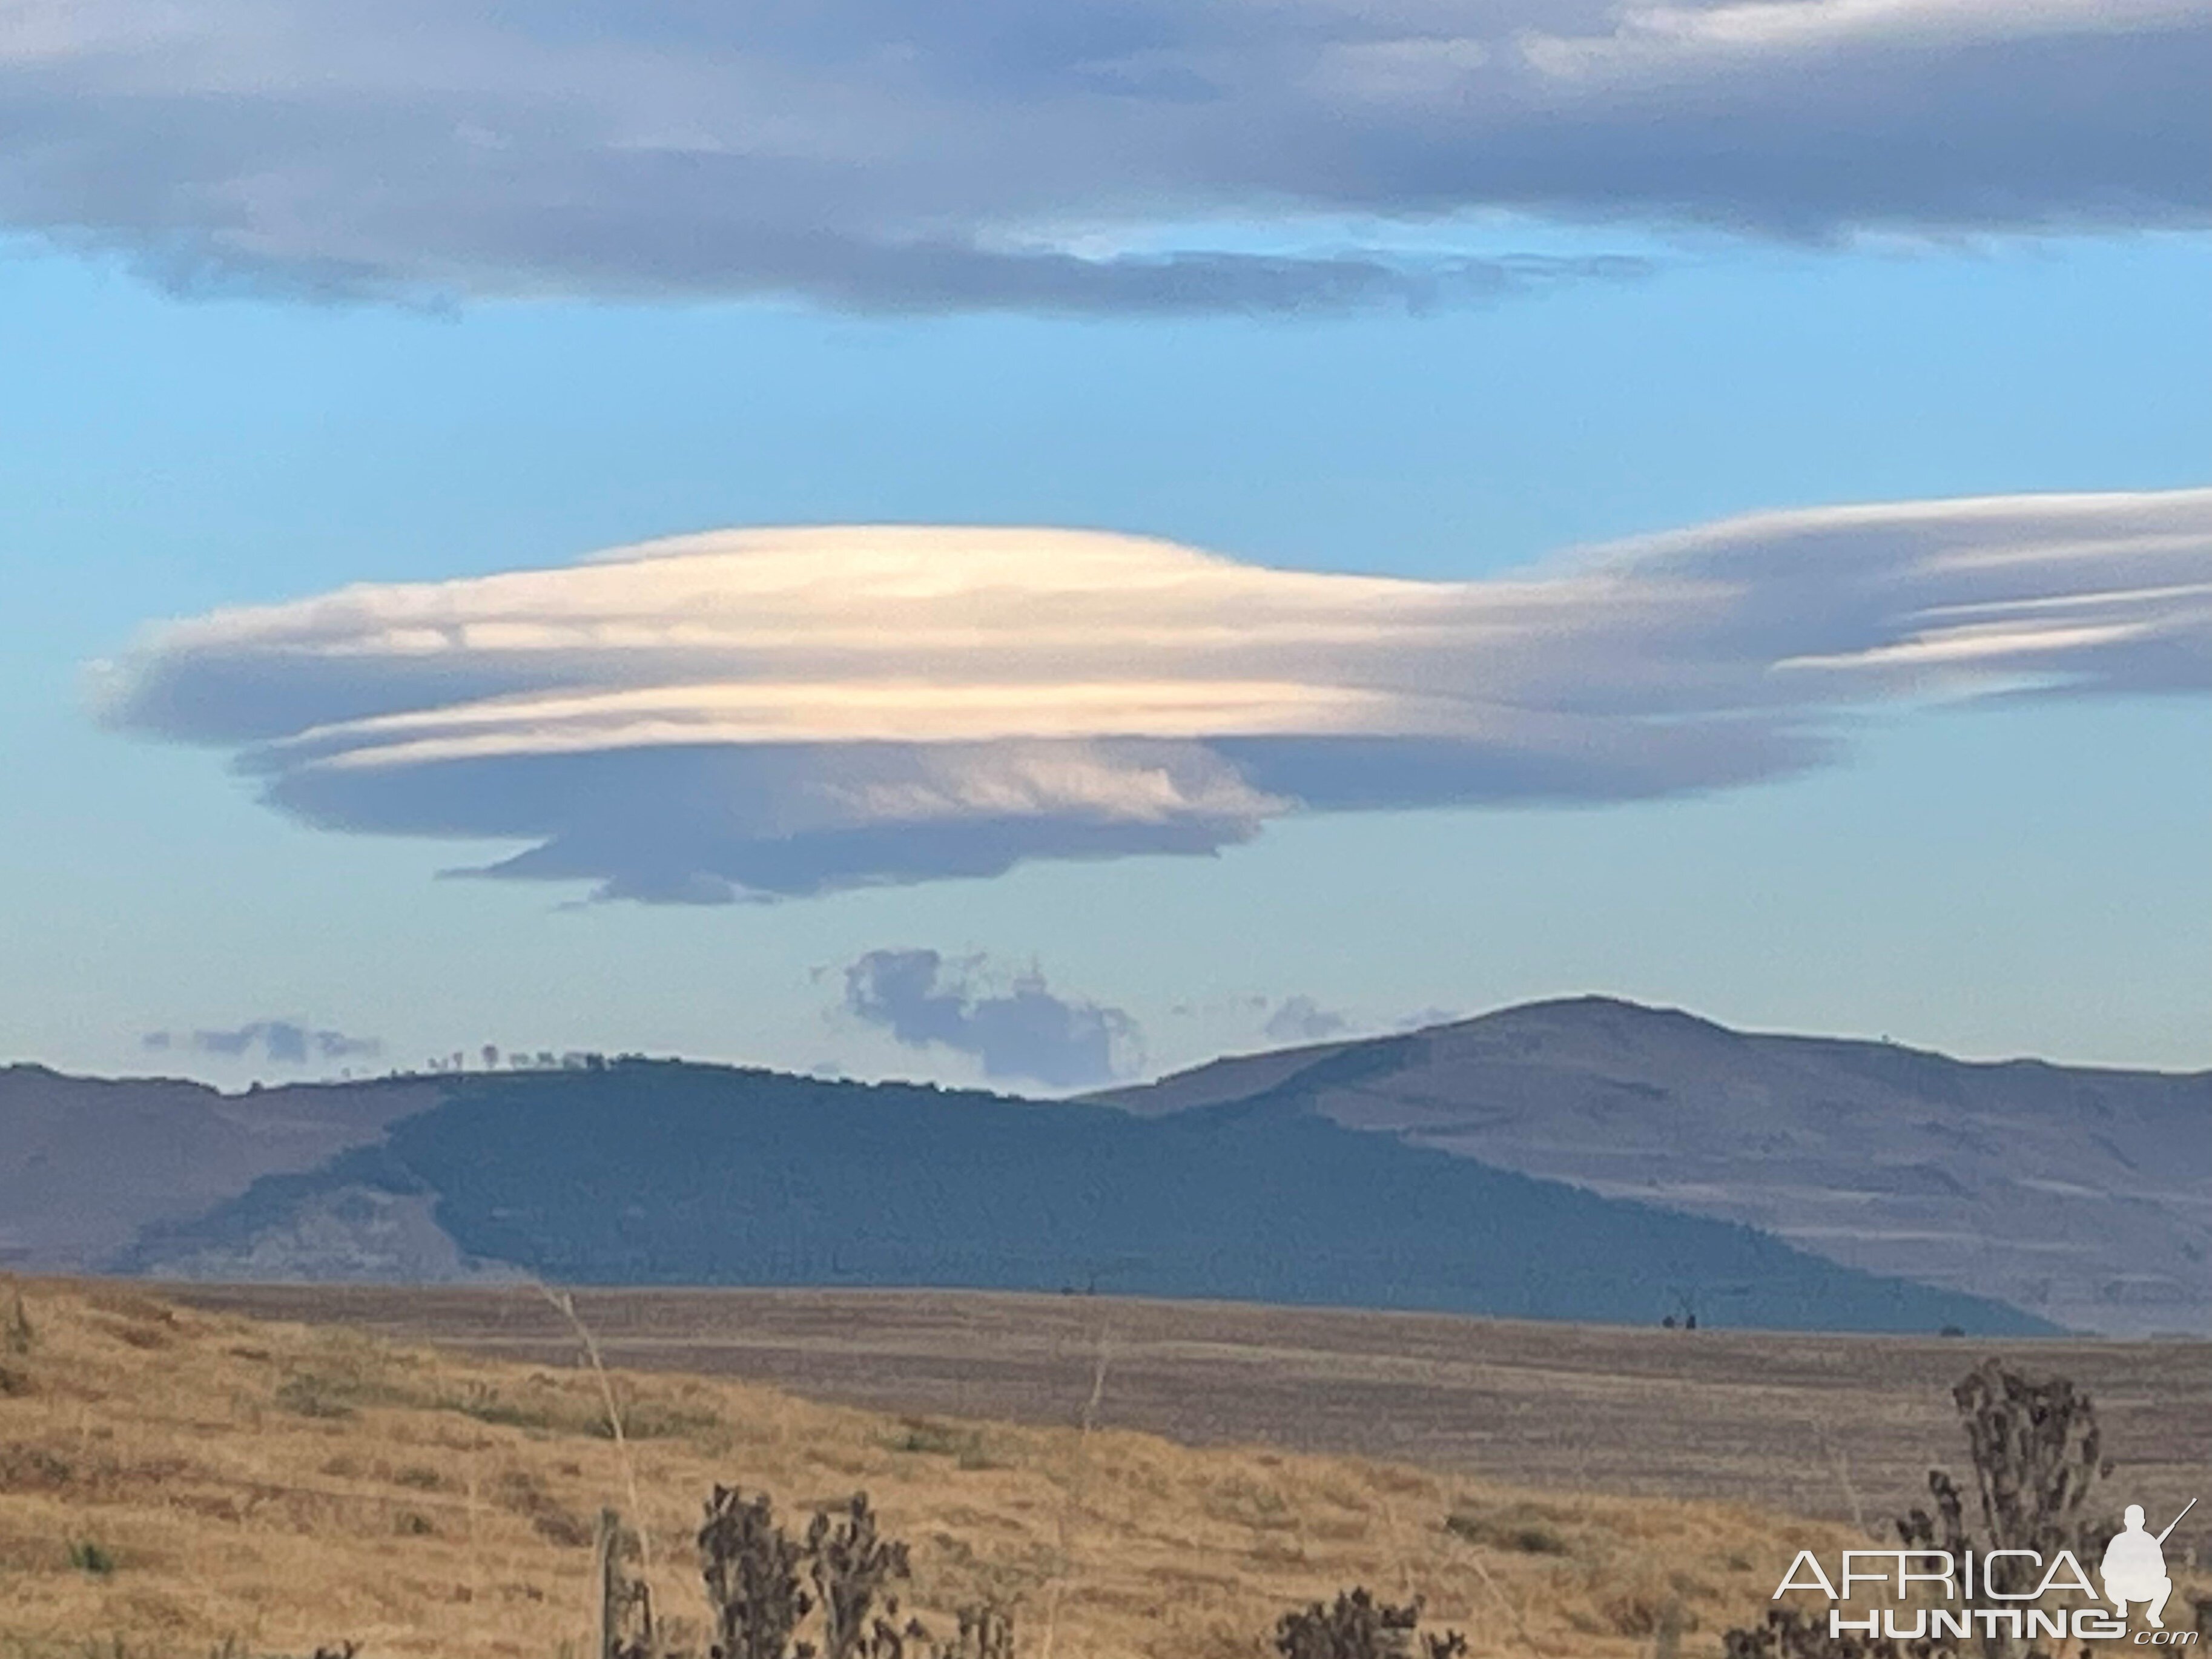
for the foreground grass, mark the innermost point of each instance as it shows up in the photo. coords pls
(178, 1483)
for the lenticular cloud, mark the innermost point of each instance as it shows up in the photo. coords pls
(1080, 157)
(769, 713)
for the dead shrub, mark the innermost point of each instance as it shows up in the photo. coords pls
(1522, 1528)
(758, 1578)
(33, 1468)
(854, 1566)
(1640, 1612)
(986, 1631)
(129, 1304)
(751, 1569)
(1357, 1627)
(930, 1439)
(311, 1394)
(562, 1527)
(134, 1335)
(659, 1419)
(484, 1402)
(2037, 1457)
(93, 1558)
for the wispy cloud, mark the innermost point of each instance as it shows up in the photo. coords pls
(884, 155)
(753, 714)
(1301, 1019)
(1020, 1030)
(279, 1042)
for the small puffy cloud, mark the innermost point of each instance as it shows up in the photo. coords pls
(754, 714)
(280, 1041)
(881, 155)
(1023, 1031)
(1301, 1019)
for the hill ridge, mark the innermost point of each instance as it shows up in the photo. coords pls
(665, 1173)
(2082, 1195)
(2083, 1192)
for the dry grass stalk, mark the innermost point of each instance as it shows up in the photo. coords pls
(1839, 1463)
(1512, 1612)
(566, 1305)
(1071, 1505)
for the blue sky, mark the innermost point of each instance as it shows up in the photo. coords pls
(1993, 878)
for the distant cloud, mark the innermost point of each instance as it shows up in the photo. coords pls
(1021, 1031)
(750, 714)
(1301, 1019)
(881, 155)
(280, 1041)
(1427, 1017)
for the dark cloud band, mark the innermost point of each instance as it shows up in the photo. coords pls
(281, 1041)
(990, 155)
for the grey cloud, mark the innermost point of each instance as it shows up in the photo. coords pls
(280, 1041)
(989, 155)
(717, 824)
(754, 715)
(1427, 1017)
(1024, 1031)
(1301, 1019)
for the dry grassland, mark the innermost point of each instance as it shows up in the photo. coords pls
(1845, 1427)
(173, 1480)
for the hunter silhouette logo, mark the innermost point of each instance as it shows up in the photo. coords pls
(2134, 1568)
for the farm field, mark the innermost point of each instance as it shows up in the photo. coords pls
(1840, 1427)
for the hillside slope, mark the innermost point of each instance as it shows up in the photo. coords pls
(664, 1173)
(87, 1161)
(2083, 1194)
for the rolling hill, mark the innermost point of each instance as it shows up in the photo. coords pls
(87, 1161)
(1584, 1159)
(668, 1173)
(2083, 1194)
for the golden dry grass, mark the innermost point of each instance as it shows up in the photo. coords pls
(1840, 1425)
(275, 1486)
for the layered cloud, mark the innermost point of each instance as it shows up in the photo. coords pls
(281, 1041)
(1020, 1030)
(990, 153)
(766, 713)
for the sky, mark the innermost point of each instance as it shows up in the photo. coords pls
(1036, 552)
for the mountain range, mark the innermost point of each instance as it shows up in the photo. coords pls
(1585, 1159)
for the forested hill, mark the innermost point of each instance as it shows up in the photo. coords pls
(664, 1172)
